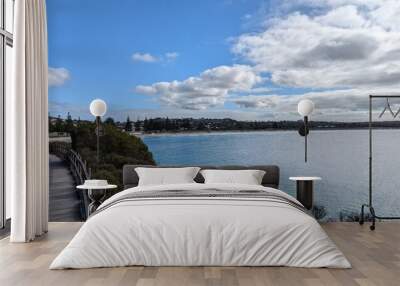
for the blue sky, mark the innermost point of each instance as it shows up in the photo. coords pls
(245, 59)
(95, 41)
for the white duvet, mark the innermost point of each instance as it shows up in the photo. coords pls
(193, 231)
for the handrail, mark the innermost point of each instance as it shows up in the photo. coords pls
(78, 166)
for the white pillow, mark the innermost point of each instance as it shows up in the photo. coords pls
(166, 176)
(248, 177)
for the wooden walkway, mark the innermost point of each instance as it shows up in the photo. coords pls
(64, 204)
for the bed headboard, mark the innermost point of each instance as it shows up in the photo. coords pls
(271, 177)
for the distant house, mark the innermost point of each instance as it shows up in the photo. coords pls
(59, 137)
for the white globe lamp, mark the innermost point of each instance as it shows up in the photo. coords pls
(98, 107)
(305, 108)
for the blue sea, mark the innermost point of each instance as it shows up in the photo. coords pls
(340, 157)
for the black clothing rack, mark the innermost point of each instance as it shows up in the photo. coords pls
(369, 205)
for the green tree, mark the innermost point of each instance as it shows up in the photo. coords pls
(52, 127)
(117, 148)
(59, 126)
(128, 125)
(110, 121)
(137, 125)
(69, 124)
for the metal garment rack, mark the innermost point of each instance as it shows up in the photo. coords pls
(369, 205)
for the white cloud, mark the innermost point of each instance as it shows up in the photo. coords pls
(145, 89)
(287, 6)
(340, 104)
(343, 100)
(149, 58)
(144, 57)
(350, 46)
(247, 16)
(209, 89)
(58, 76)
(171, 56)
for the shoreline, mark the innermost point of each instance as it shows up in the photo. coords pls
(252, 131)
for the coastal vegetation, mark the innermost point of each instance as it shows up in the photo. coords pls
(352, 216)
(319, 212)
(156, 125)
(182, 125)
(117, 148)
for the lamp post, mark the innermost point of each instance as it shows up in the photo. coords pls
(305, 108)
(98, 108)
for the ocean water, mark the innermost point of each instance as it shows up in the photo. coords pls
(340, 157)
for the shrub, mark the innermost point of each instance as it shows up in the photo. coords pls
(352, 216)
(319, 212)
(117, 148)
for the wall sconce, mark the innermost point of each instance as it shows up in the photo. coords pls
(98, 108)
(305, 108)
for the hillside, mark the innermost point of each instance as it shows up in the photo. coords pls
(117, 148)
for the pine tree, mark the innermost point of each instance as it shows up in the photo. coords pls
(128, 125)
(69, 126)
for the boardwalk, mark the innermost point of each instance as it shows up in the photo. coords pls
(64, 203)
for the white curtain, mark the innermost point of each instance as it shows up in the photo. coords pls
(27, 124)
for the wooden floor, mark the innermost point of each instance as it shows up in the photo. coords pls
(64, 204)
(375, 257)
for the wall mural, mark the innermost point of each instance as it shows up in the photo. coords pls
(218, 82)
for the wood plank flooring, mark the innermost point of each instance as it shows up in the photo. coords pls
(64, 204)
(375, 257)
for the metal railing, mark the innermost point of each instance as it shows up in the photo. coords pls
(79, 169)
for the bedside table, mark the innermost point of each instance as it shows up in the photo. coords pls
(96, 196)
(304, 190)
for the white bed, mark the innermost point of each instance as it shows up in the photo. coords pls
(202, 231)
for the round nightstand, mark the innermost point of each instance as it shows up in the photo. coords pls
(96, 195)
(304, 192)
